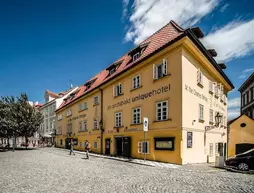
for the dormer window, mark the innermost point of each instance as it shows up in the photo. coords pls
(135, 56)
(113, 67)
(112, 71)
(89, 84)
(47, 99)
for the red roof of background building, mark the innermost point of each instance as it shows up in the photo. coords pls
(157, 41)
(52, 94)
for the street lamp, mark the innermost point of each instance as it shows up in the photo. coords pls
(218, 119)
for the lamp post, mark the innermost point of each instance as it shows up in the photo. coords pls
(218, 119)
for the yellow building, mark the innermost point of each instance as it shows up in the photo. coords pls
(171, 79)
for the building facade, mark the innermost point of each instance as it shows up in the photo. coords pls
(247, 96)
(52, 102)
(172, 80)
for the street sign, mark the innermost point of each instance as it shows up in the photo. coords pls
(145, 124)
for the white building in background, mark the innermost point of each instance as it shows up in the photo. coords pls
(52, 102)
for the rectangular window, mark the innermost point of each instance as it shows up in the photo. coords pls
(211, 86)
(246, 100)
(136, 82)
(80, 144)
(59, 117)
(96, 100)
(85, 125)
(211, 116)
(211, 150)
(118, 119)
(216, 89)
(143, 147)
(136, 115)
(117, 90)
(201, 112)
(69, 128)
(189, 139)
(95, 145)
(160, 70)
(136, 56)
(216, 148)
(247, 95)
(85, 105)
(95, 124)
(162, 111)
(221, 91)
(80, 126)
(69, 112)
(199, 77)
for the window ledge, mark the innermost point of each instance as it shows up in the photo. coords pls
(200, 85)
(133, 124)
(118, 127)
(211, 122)
(95, 105)
(82, 131)
(95, 129)
(211, 92)
(156, 121)
(201, 120)
(118, 95)
(68, 115)
(135, 88)
(154, 80)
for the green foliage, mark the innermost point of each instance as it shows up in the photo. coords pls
(18, 117)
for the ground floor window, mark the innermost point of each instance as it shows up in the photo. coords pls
(95, 145)
(211, 150)
(80, 144)
(164, 143)
(143, 147)
(61, 142)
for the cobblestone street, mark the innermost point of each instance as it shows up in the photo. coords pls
(53, 170)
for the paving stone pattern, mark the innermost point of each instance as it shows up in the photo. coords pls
(52, 170)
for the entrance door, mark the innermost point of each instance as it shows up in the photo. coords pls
(119, 146)
(67, 143)
(127, 147)
(107, 151)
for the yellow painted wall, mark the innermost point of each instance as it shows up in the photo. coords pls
(240, 134)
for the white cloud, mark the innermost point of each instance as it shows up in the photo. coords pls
(224, 7)
(248, 70)
(245, 73)
(125, 8)
(234, 40)
(235, 102)
(233, 113)
(148, 16)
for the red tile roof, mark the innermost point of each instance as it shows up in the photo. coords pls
(52, 94)
(156, 42)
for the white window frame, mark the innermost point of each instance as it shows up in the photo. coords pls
(80, 107)
(140, 147)
(221, 91)
(95, 124)
(164, 65)
(211, 115)
(200, 77)
(69, 112)
(211, 87)
(210, 149)
(85, 105)
(134, 112)
(116, 88)
(136, 56)
(161, 113)
(80, 126)
(118, 119)
(95, 147)
(85, 125)
(96, 100)
(201, 112)
(136, 82)
(59, 117)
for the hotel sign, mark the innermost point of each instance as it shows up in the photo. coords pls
(139, 97)
(196, 93)
(77, 117)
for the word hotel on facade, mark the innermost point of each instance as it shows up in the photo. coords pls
(171, 79)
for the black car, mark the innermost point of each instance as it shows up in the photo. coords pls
(243, 161)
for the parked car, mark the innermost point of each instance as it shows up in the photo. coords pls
(243, 161)
(23, 144)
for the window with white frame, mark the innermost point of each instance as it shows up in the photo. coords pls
(117, 90)
(85, 105)
(160, 70)
(80, 144)
(162, 111)
(211, 149)
(80, 126)
(96, 100)
(216, 89)
(211, 116)
(136, 82)
(59, 117)
(143, 147)
(136, 115)
(95, 145)
(211, 86)
(216, 148)
(221, 91)
(80, 107)
(85, 125)
(201, 112)
(136, 56)
(118, 119)
(199, 77)
(95, 124)
(69, 112)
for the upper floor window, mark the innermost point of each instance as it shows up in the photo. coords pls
(95, 124)
(136, 82)
(96, 100)
(201, 112)
(118, 119)
(85, 125)
(80, 107)
(199, 77)
(85, 105)
(69, 112)
(211, 84)
(136, 56)
(162, 111)
(211, 116)
(136, 115)
(80, 126)
(221, 91)
(69, 128)
(216, 89)
(117, 90)
(160, 70)
(59, 117)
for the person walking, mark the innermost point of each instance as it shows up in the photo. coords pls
(71, 147)
(87, 148)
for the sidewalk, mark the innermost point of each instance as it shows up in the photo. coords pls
(189, 167)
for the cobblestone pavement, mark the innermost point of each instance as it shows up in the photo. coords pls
(52, 170)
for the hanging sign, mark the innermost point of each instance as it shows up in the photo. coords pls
(145, 124)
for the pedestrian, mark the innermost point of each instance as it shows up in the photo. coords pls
(71, 147)
(87, 148)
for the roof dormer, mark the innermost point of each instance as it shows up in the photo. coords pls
(113, 67)
(138, 51)
(89, 84)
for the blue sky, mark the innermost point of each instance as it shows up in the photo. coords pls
(48, 44)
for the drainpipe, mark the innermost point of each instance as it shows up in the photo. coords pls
(101, 121)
